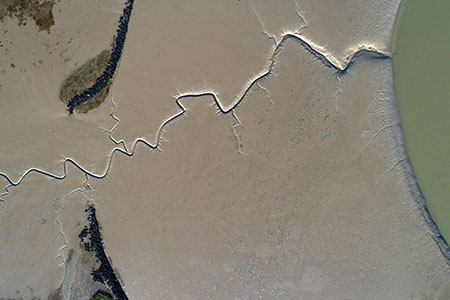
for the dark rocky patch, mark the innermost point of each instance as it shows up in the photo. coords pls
(104, 79)
(92, 240)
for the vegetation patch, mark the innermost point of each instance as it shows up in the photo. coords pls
(101, 295)
(40, 11)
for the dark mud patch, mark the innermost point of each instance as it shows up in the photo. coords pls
(70, 256)
(92, 240)
(56, 295)
(40, 11)
(82, 79)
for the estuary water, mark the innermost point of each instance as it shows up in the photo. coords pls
(421, 65)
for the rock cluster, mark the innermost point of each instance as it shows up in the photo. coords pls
(92, 240)
(116, 51)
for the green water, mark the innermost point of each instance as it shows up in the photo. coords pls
(421, 64)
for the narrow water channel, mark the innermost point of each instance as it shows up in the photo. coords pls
(421, 65)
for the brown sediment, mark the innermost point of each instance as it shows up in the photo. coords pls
(69, 257)
(79, 266)
(40, 11)
(55, 295)
(83, 78)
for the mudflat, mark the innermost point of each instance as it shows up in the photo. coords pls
(245, 149)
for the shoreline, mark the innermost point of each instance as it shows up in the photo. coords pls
(409, 171)
(411, 182)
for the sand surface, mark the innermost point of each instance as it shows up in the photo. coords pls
(245, 150)
(300, 199)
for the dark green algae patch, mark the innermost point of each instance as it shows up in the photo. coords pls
(421, 65)
(101, 295)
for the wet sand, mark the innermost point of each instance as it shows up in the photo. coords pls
(261, 156)
(303, 196)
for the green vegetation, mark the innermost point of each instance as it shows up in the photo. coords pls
(101, 295)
